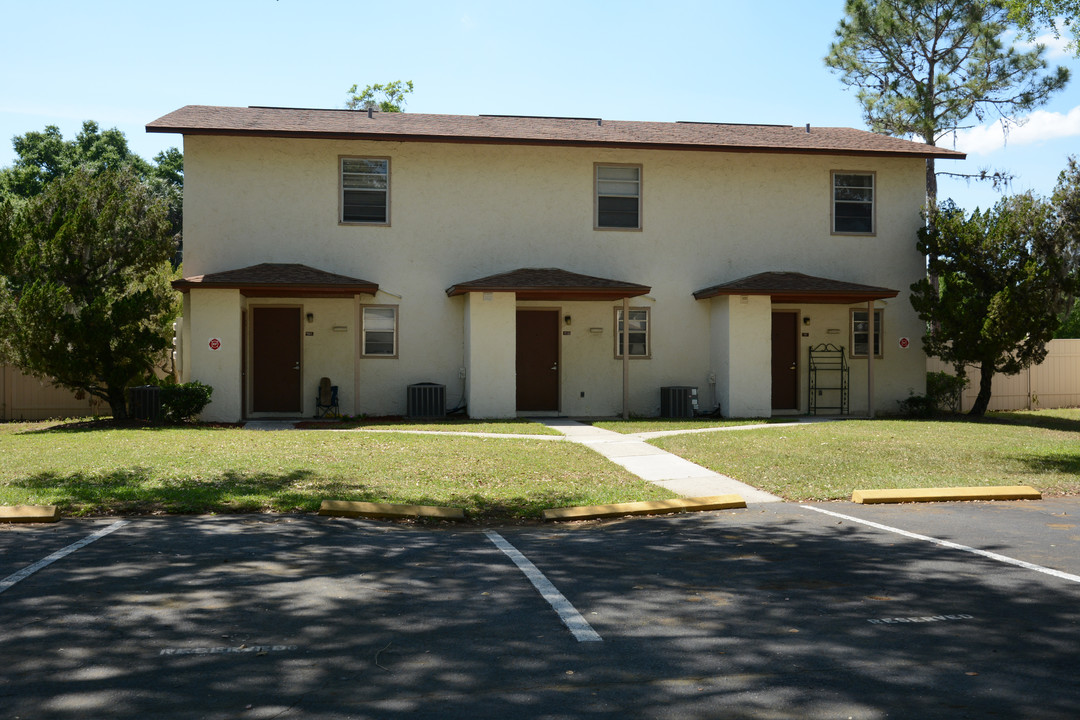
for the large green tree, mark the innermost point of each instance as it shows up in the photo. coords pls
(1054, 16)
(384, 98)
(41, 157)
(925, 68)
(1007, 276)
(1070, 325)
(85, 300)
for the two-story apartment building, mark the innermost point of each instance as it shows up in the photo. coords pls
(500, 256)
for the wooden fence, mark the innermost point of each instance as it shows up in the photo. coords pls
(26, 398)
(1054, 383)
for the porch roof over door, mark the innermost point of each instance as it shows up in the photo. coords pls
(279, 280)
(793, 287)
(551, 284)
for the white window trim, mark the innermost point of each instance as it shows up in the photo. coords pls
(873, 203)
(879, 332)
(341, 191)
(648, 333)
(640, 196)
(363, 331)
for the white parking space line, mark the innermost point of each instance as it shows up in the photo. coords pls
(573, 620)
(59, 554)
(954, 546)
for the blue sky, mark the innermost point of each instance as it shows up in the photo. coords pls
(124, 64)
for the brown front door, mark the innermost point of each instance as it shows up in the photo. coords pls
(537, 360)
(785, 357)
(275, 360)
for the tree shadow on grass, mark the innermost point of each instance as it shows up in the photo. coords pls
(1065, 464)
(97, 426)
(135, 491)
(1044, 422)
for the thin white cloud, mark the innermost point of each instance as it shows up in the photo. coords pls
(1038, 127)
(1056, 47)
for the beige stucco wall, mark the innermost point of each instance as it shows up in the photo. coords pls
(215, 314)
(741, 354)
(460, 212)
(490, 335)
(898, 373)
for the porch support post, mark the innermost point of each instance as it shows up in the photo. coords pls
(626, 358)
(870, 360)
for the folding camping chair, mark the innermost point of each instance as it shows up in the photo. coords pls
(326, 402)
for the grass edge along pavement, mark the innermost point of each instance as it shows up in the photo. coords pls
(103, 470)
(1046, 458)
(830, 461)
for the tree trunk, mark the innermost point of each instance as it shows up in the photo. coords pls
(931, 206)
(986, 379)
(118, 403)
(931, 184)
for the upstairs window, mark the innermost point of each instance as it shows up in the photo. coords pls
(639, 332)
(618, 197)
(380, 331)
(860, 333)
(365, 191)
(853, 203)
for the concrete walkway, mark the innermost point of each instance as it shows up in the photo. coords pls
(655, 465)
(649, 463)
(270, 425)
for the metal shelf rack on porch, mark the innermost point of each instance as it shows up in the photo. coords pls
(829, 375)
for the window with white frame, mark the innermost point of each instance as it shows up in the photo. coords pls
(860, 332)
(639, 332)
(618, 197)
(365, 190)
(379, 334)
(853, 203)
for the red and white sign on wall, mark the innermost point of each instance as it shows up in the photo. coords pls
(904, 342)
(214, 344)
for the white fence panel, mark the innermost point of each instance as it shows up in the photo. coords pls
(1054, 383)
(26, 398)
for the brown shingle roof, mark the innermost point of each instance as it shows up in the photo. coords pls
(356, 124)
(796, 287)
(280, 279)
(550, 284)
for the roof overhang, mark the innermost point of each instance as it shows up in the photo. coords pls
(342, 124)
(791, 287)
(279, 280)
(551, 284)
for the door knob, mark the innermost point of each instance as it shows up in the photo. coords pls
(791, 368)
(555, 366)
(296, 367)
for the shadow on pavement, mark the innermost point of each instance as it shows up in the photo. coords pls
(742, 614)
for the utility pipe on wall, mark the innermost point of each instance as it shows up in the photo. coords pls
(870, 360)
(626, 358)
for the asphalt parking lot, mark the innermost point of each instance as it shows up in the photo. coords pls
(775, 611)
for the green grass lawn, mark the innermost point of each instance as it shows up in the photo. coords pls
(196, 470)
(829, 460)
(644, 425)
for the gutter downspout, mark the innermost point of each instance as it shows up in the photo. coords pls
(870, 360)
(626, 358)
